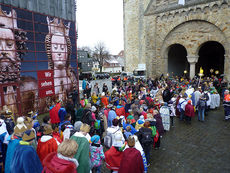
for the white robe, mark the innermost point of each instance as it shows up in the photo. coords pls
(164, 111)
(197, 95)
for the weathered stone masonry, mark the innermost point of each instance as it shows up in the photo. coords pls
(149, 35)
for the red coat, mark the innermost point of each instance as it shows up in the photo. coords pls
(131, 161)
(113, 158)
(44, 148)
(104, 100)
(53, 164)
(54, 118)
(189, 110)
(120, 111)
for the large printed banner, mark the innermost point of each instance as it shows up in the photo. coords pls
(45, 83)
(38, 60)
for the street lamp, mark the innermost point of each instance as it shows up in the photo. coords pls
(185, 72)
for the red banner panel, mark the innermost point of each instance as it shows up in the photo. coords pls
(45, 83)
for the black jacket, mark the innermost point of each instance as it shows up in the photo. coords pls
(87, 117)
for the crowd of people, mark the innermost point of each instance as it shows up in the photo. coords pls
(118, 127)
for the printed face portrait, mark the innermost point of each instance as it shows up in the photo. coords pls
(59, 51)
(8, 57)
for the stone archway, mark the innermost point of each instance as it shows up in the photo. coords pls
(177, 60)
(211, 56)
(192, 34)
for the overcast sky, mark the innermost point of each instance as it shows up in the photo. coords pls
(100, 21)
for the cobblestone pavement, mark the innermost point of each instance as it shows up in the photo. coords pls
(196, 148)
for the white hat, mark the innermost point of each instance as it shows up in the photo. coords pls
(103, 94)
(93, 109)
(142, 118)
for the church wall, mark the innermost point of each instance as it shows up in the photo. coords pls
(198, 24)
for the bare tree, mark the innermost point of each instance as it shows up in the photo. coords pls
(100, 54)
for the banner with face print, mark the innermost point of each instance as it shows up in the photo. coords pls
(32, 44)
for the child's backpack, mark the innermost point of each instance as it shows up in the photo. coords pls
(108, 140)
(97, 124)
(146, 137)
(154, 131)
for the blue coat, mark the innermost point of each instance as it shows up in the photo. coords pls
(25, 160)
(112, 115)
(83, 84)
(13, 143)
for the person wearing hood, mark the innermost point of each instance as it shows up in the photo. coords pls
(14, 140)
(140, 123)
(104, 99)
(63, 161)
(93, 110)
(111, 116)
(159, 124)
(82, 155)
(25, 158)
(114, 155)
(62, 113)
(189, 112)
(132, 160)
(96, 154)
(47, 144)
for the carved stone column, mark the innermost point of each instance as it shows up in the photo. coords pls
(192, 59)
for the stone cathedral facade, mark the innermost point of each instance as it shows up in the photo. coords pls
(171, 38)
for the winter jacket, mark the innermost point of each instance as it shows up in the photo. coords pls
(53, 164)
(159, 124)
(47, 144)
(25, 160)
(201, 104)
(87, 117)
(112, 115)
(54, 118)
(96, 154)
(82, 154)
(189, 110)
(131, 161)
(113, 158)
(166, 95)
(104, 100)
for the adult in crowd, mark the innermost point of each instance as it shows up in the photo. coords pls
(131, 160)
(63, 160)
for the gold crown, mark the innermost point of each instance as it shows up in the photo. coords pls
(47, 130)
(28, 135)
(19, 131)
(56, 27)
(28, 122)
(8, 20)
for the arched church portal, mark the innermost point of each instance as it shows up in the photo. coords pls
(211, 56)
(177, 60)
